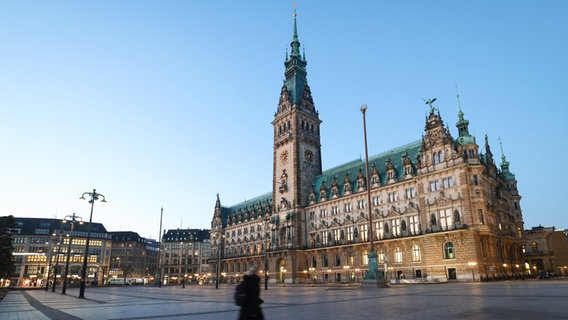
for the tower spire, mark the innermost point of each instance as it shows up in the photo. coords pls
(505, 164)
(296, 80)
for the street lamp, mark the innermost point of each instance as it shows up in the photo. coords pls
(94, 196)
(180, 269)
(373, 272)
(71, 219)
(52, 248)
(346, 268)
(219, 248)
(56, 262)
(267, 236)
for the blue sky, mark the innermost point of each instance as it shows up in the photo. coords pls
(167, 103)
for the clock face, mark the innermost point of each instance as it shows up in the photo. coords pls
(309, 155)
(284, 156)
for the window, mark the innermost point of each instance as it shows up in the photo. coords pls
(378, 230)
(397, 255)
(435, 185)
(364, 233)
(445, 218)
(337, 260)
(348, 207)
(349, 233)
(449, 251)
(416, 253)
(324, 237)
(414, 225)
(410, 193)
(376, 200)
(334, 210)
(534, 246)
(393, 196)
(433, 220)
(475, 181)
(381, 257)
(471, 153)
(314, 262)
(325, 263)
(403, 225)
(448, 182)
(365, 257)
(457, 218)
(323, 213)
(336, 234)
(395, 227)
(481, 217)
(361, 204)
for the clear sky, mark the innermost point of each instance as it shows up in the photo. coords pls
(167, 103)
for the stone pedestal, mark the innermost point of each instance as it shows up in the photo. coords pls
(374, 283)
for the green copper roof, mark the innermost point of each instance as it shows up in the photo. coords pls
(463, 128)
(295, 73)
(411, 150)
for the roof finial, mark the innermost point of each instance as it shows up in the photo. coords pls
(429, 102)
(503, 158)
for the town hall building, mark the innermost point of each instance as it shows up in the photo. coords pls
(441, 209)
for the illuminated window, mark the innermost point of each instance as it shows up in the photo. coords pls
(416, 253)
(414, 225)
(449, 251)
(397, 255)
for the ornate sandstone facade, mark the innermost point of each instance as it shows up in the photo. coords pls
(441, 209)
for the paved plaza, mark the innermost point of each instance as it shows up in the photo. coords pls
(532, 299)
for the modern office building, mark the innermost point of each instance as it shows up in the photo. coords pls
(441, 208)
(42, 246)
(133, 258)
(185, 255)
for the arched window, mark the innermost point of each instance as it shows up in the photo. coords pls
(403, 225)
(386, 227)
(534, 246)
(433, 219)
(449, 251)
(457, 216)
(314, 262)
(337, 260)
(397, 255)
(441, 156)
(416, 253)
(325, 264)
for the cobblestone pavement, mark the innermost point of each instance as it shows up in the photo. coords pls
(500, 300)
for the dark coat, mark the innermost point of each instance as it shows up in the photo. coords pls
(252, 309)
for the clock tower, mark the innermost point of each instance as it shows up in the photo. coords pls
(297, 149)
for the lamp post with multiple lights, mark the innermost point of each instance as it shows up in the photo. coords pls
(93, 197)
(267, 237)
(54, 267)
(373, 274)
(220, 237)
(69, 219)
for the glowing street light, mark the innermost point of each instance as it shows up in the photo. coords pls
(94, 196)
(71, 219)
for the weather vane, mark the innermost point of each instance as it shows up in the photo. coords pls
(429, 102)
